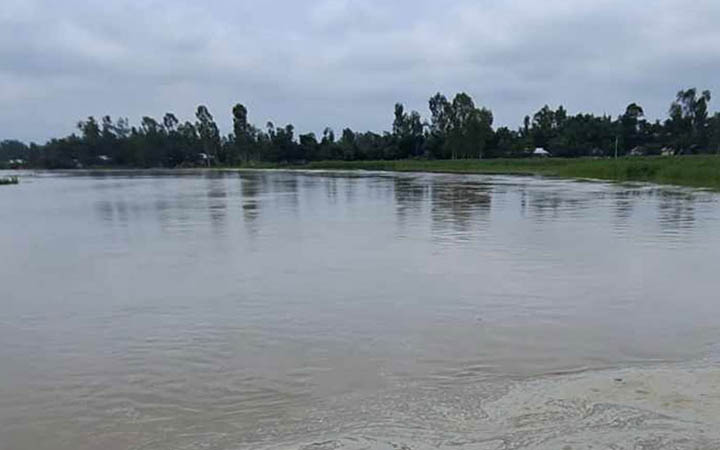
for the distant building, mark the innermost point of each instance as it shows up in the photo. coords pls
(637, 151)
(667, 151)
(539, 151)
(205, 159)
(104, 158)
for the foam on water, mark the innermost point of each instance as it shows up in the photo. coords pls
(668, 407)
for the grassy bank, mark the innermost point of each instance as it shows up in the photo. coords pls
(8, 180)
(695, 171)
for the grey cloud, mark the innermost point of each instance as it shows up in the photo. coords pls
(344, 62)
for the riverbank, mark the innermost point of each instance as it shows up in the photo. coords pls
(694, 171)
(702, 171)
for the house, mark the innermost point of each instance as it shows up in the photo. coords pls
(637, 151)
(205, 159)
(667, 151)
(16, 163)
(539, 151)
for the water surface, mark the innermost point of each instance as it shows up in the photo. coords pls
(270, 309)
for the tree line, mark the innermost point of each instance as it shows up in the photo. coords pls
(456, 128)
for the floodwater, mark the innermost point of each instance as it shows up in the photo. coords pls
(334, 310)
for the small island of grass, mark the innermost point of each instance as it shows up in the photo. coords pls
(8, 180)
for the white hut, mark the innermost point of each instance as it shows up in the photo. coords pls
(539, 151)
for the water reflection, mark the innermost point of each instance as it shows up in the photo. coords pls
(285, 191)
(676, 212)
(251, 184)
(455, 208)
(410, 202)
(105, 210)
(555, 204)
(623, 208)
(217, 201)
(459, 210)
(331, 189)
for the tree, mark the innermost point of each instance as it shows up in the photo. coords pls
(688, 119)
(439, 125)
(347, 144)
(12, 149)
(714, 133)
(209, 133)
(506, 143)
(455, 129)
(328, 147)
(440, 112)
(243, 133)
(90, 130)
(468, 128)
(88, 152)
(170, 122)
(399, 127)
(309, 146)
(174, 154)
(630, 126)
(544, 127)
(408, 132)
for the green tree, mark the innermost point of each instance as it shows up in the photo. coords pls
(630, 126)
(88, 152)
(309, 146)
(209, 133)
(544, 127)
(170, 122)
(469, 128)
(687, 124)
(243, 133)
(408, 132)
(714, 133)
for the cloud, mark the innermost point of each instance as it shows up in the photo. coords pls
(344, 62)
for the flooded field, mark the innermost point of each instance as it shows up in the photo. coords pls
(346, 310)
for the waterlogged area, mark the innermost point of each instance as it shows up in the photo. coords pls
(335, 310)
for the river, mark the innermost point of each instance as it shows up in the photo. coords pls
(356, 310)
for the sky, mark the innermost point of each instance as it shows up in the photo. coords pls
(344, 63)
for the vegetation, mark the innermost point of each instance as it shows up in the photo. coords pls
(8, 180)
(456, 129)
(695, 171)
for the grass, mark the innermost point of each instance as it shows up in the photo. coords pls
(9, 180)
(695, 171)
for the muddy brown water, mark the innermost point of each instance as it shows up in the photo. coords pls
(328, 310)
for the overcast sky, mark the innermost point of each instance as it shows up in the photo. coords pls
(337, 63)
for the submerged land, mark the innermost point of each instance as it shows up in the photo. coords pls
(701, 171)
(697, 171)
